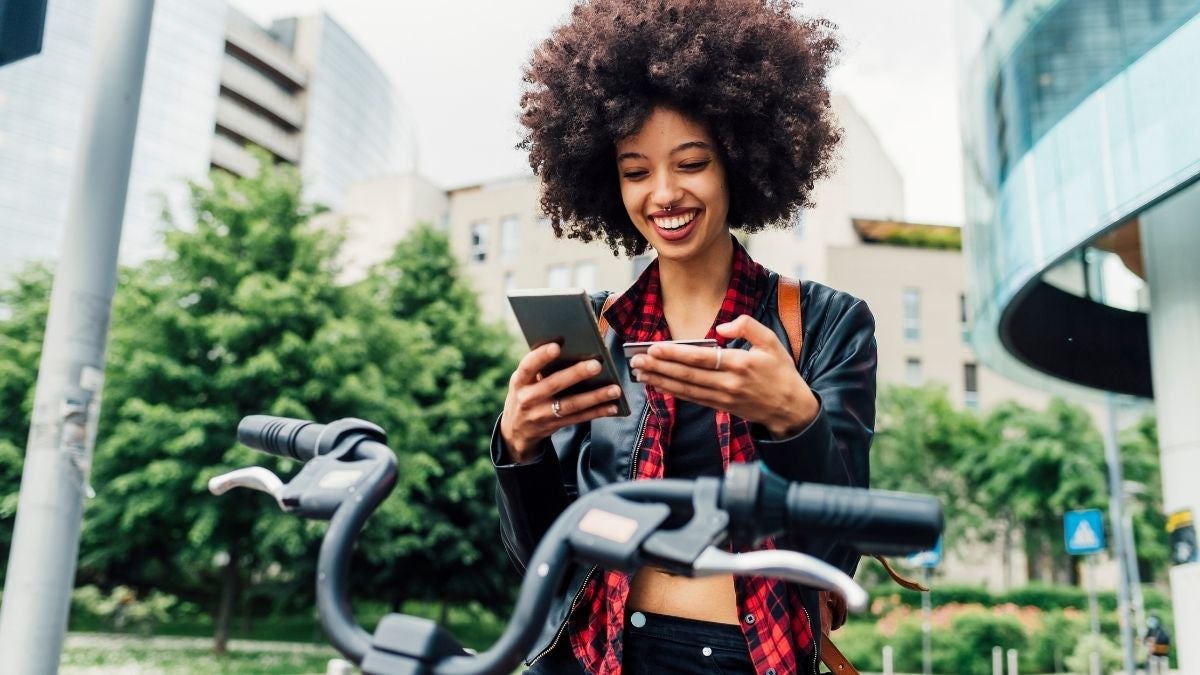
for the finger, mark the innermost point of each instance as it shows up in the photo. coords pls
(689, 391)
(571, 375)
(588, 399)
(532, 363)
(750, 330)
(586, 415)
(690, 355)
(702, 373)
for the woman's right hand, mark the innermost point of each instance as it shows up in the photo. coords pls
(529, 417)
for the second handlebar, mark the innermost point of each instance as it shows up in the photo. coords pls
(281, 436)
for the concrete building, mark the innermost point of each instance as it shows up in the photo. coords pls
(375, 216)
(215, 81)
(1083, 217)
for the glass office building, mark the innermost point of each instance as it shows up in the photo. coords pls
(353, 131)
(215, 81)
(1081, 127)
(41, 103)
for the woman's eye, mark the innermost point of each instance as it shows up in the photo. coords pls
(694, 166)
(633, 175)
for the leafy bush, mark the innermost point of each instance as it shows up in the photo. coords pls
(972, 637)
(1110, 654)
(1054, 642)
(861, 643)
(122, 609)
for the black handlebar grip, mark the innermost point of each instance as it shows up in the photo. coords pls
(873, 521)
(280, 436)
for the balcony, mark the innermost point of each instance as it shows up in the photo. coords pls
(257, 129)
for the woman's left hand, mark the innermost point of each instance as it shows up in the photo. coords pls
(758, 385)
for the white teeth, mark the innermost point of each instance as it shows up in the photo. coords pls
(673, 222)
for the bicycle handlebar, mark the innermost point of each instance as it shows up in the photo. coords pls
(617, 526)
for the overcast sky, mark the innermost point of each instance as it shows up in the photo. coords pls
(457, 66)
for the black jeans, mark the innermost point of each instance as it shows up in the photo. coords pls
(665, 645)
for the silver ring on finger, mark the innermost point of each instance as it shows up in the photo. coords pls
(717, 366)
(556, 408)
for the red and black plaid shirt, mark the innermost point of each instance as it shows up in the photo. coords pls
(774, 622)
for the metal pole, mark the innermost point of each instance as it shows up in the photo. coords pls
(1135, 576)
(41, 567)
(1116, 512)
(888, 660)
(926, 627)
(997, 660)
(1093, 613)
(1012, 662)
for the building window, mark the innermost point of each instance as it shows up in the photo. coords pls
(912, 371)
(962, 316)
(510, 237)
(912, 314)
(558, 276)
(971, 386)
(479, 242)
(585, 275)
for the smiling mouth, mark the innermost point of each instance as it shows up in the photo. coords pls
(675, 221)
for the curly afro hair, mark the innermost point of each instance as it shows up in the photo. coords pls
(750, 70)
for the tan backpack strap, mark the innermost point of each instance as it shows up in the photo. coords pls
(789, 314)
(600, 320)
(898, 578)
(833, 658)
(833, 615)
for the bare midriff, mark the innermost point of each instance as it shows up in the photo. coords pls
(704, 599)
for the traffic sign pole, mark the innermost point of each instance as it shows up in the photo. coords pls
(1093, 612)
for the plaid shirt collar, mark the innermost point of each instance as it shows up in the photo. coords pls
(637, 316)
(776, 626)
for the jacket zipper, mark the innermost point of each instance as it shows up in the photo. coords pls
(562, 627)
(637, 448)
(816, 638)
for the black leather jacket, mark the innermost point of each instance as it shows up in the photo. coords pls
(838, 361)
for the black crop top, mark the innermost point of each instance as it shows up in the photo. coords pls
(694, 450)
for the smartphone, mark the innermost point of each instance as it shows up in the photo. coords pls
(565, 316)
(632, 348)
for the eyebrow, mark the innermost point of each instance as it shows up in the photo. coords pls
(682, 146)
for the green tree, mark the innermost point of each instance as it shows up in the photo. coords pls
(243, 316)
(1141, 464)
(24, 302)
(1035, 466)
(919, 441)
(440, 539)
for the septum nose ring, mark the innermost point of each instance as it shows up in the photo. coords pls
(668, 207)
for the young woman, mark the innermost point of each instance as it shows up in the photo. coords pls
(663, 124)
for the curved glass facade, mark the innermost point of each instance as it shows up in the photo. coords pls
(1078, 115)
(354, 127)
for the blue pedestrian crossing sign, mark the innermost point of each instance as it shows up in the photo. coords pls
(1084, 531)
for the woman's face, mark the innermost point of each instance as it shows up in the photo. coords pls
(673, 186)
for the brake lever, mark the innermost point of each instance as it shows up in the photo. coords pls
(781, 564)
(253, 477)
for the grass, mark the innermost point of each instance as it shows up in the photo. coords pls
(95, 653)
(267, 645)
